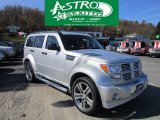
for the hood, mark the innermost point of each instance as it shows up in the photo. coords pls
(102, 55)
(5, 48)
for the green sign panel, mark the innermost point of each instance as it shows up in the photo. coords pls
(158, 37)
(81, 13)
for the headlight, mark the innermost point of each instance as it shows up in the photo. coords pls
(113, 71)
(114, 68)
(110, 68)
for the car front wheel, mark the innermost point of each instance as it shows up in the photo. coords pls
(86, 96)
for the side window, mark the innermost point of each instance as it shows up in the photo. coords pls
(30, 41)
(52, 43)
(39, 41)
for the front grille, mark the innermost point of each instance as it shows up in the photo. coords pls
(125, 67)
(127, 76)
(130, 70)
(136, 65)
(137, 73)
(138, 49)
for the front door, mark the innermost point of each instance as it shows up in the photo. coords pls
(53, 60)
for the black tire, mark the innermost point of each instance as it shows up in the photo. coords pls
(150, 55)
(94, 96)
(29, 73)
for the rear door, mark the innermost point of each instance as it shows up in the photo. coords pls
(38, 48)
(29, 47)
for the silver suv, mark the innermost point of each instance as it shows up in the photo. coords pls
(76, 63)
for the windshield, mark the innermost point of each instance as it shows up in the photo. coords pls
(2, 44)
(78, 42)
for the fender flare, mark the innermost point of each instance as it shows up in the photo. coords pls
(32, 61)
(97, 75)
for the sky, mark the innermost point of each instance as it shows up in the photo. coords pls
(148, 10)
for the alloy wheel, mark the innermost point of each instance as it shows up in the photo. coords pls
(83, 96)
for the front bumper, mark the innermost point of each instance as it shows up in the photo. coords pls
(138, 51)
(154, 53)
(122, 93)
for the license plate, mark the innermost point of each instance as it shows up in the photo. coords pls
(139, 87)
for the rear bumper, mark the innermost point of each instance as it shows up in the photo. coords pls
(113, 96)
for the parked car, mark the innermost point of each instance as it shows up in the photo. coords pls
(77, 63)
(112, 46)
(154, 50)
(16, 47)
(123, 47)
(9, 51)
(139, 48)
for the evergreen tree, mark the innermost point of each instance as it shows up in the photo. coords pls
(158, 29)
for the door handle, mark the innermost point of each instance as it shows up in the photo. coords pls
(44, 53)
(31, 50)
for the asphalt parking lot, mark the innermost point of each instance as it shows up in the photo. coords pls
(20, 100)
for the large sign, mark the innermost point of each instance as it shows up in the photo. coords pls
(81, 13)
(157, 36)
(13, 29)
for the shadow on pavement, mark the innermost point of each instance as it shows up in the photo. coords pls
(146, 105)
(65, 103)
(12, 82)
(5, 71)
(10, 63)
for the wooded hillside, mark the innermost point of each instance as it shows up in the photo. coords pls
(31, 20)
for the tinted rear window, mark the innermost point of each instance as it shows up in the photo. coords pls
(30, 41)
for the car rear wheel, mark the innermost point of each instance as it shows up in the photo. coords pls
(29, 73)
(86, 96)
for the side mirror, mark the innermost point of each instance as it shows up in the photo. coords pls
(53, 46)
